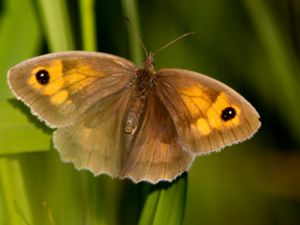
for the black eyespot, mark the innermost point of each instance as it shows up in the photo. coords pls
(43, 77)
(228, 113)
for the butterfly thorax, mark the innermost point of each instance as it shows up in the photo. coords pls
(145, 77)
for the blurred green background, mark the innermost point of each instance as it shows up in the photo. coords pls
(251, 45)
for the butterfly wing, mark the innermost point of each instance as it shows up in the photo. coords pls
(97, 141)
(76, 81)
(208, 115)
(86, 98)
(154, 153)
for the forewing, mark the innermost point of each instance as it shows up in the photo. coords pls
(155, 153)
(97, 142)
(198, 104)
(77, 81)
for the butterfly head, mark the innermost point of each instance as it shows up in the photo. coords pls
(146, 74)
(148, 65)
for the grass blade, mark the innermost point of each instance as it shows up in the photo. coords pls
(57, 25)
(88, 30)
(13, 191)
(130, 11)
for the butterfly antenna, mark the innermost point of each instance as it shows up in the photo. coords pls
(172, 42)
(137, 35)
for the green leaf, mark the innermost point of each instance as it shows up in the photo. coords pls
(165, 204)
(20, 38)
(17, 134)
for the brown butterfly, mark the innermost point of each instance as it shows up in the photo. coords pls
(113, 118)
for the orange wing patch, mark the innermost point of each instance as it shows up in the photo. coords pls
(81, 76)
(196, 100)
(72, 78)
(59, 98)
(207, 111)
(62, 83)
(203, 126)
(79, 85)
(86, 70)
(215, 111)
(55, 70)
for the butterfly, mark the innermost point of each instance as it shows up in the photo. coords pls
(139, 123)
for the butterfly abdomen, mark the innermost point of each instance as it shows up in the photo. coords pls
(143, 83)
(135, 111)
